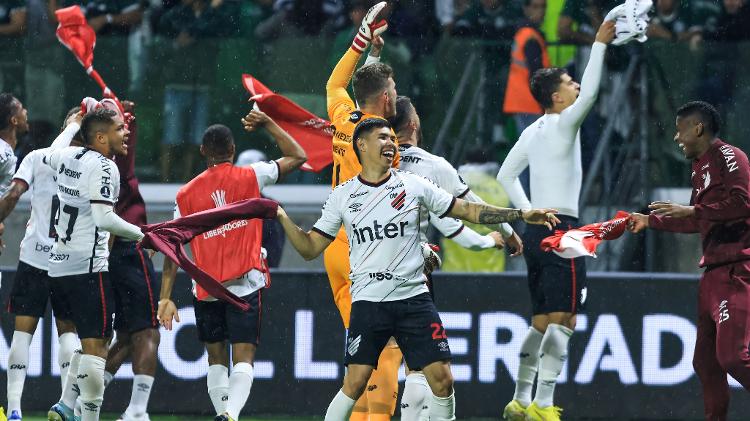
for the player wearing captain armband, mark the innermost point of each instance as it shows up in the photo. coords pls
(389, 292)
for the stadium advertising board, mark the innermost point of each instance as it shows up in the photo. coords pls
(631, 357)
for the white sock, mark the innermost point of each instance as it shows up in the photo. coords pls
(416, 398)
(18, 362)
(139, 396)
(91, 382)
(529, 360)
(552, 355)
(240, 382)
(108, 378)
(443, 408)
(68, 344)
(218, 387)
(340, 408)
(70, 390)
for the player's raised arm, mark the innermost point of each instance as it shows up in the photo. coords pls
(293, 156)
(574, 115)
(337, 98)
(309, 244)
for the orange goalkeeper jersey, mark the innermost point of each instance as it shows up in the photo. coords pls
(344, 116)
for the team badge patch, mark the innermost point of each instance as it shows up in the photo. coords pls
(399, 200)
(105, 192)
(355, 116)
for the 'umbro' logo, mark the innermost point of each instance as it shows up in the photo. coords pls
(355, 207)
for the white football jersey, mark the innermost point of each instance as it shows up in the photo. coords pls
(382, 224)
(84, 176)
(7, 166)
(40, 230)
(441, 172)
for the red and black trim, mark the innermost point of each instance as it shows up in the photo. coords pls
(574, 292)
(450, 208)
(104, 306)
(323, 233)
(378, 184)
(147, 278)
(260, 315)
(399, 201)
(458, 231)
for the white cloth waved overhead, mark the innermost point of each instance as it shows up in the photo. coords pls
(631, 21)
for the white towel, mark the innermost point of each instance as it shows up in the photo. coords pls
(631, 21)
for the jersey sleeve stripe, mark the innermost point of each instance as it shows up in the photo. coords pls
(461, 196)
(458, 231)
(450, 208)
(102, 202)
(20, 180)
(323, 233)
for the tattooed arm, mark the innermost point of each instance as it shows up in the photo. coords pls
(482, 213)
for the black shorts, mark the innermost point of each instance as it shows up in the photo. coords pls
(556, 284)
(30, 292)
(218, 321)
(89, 297)
(136, 287)
(414, 322)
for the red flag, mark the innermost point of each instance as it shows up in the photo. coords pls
(313, 133)
(77, 36)
(584, 240)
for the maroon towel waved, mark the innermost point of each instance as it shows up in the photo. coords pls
(169, 238)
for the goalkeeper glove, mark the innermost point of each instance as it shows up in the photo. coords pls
(369, 28)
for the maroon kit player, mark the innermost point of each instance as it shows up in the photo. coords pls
(720, 211)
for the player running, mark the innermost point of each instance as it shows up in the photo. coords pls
(551, 148)
(87, 188)
(720, 211)
(243, 273)
(380, 210)
(31, 285)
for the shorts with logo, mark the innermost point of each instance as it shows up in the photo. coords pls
(135, 286)
(414, 322)
(91, 302)
(31, 290)
(218, 321)
(556, 284)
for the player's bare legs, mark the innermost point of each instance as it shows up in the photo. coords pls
(443, 402)
(355, 382)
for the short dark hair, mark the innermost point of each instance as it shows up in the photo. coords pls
(366, 126)
(404, 109)
(95, 121)
(218, 140)
(544, 83)
(705, 112)
(370, 80)
(7, 109)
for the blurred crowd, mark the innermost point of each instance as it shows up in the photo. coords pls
(419, 25)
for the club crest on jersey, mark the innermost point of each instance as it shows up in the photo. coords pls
(219, 197)
(355, 116)
(399, 199)
(105, 192)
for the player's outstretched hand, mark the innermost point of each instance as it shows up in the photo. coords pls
(370, 27)
(671, 209)
(637, 222)
(498, 238)
(515, 244)
(167, 312)
(544, 217)
(255, 119)
(606, 32)
(74, 118)
(432, 261)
